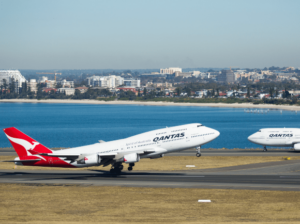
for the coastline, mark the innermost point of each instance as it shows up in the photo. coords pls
(147, 103)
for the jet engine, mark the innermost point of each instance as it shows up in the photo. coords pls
(90, 160)
(297, 146)
(131, 158)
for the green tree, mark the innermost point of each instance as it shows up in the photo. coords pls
(24, 88)
(12, 86)
(294, 100)
(4, 84)
(271, 91)
(248, 91)
(178, 91)
(58, 85)
(286, 93)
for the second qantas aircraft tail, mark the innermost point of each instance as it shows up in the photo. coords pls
(23, 144)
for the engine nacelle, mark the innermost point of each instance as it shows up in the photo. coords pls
(132, 158)
(156, 156)
(90, 160)
(297, 146)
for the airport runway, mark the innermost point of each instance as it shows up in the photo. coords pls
(282, 175)
(206, 152)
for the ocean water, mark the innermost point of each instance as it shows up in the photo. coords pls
(71, 125)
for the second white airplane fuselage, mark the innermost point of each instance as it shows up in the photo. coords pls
(277, 137)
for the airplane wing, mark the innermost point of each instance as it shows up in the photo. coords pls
(106, 158)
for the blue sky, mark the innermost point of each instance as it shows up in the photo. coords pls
(119, 34)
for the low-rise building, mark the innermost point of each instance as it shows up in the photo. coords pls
(82, 89)
(183, 74)
(48, 90)
(201, 93)
(67, 91)
(170, 70)
(161, 85)
(128, 89)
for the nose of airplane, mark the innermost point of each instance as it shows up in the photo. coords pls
(215, 133)
(252, 138)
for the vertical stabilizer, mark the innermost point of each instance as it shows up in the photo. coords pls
(23, 144)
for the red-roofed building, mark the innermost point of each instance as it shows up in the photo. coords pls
(82, 89)
(48, 90)
(128, 89)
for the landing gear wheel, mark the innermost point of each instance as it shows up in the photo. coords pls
(265, 149)
(130, 168)
(116, 169)
(198, 154)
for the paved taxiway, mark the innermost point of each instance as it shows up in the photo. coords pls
(281, 175)
(207, 152)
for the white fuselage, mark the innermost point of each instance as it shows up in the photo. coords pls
(278, 137)
(157, 142)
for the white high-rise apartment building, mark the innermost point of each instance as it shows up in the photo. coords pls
(32, 85)
(10, 75)
(65, 83)
(132, 82)
(170, 70)
(105, 81)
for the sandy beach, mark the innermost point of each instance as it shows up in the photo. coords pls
(85, 101)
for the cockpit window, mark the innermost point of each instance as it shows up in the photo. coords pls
(199, 125)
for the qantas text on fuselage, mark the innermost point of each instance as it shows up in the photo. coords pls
(152, 144)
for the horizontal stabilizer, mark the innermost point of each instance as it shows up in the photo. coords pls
(76, 155)
(58, 155)
(24, 160)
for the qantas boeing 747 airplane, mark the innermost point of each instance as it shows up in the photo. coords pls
(152, 144)
(277, 137)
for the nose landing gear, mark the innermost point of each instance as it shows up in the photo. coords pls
(198, 154)
(265, 149)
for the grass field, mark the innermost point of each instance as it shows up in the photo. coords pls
(172, 162)
(79, 204)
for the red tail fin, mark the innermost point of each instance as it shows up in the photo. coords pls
(23, 144)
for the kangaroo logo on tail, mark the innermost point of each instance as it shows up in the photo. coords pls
(26, 145)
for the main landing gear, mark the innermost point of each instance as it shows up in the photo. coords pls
(116, 168)
(265, 149)
(198, 154)
(130, 166)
